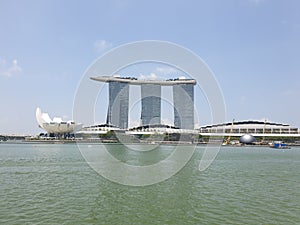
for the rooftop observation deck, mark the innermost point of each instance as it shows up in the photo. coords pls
(135, 81)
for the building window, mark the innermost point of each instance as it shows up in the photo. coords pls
(259, 131)
(276, 131)
(251, 130)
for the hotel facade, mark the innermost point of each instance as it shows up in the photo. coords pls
(118, 106)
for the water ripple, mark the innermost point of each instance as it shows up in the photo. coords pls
(51, 184)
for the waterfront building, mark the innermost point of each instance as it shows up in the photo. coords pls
(55, 125)
(117, 113)
(97, 129)
(159, 129)
(183, 97)
(151, 104)
(255, 128)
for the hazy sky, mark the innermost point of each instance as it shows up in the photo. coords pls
(252, 46)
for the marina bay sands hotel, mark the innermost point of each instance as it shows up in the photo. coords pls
(118, 106)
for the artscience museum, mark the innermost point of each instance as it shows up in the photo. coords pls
(55, 125)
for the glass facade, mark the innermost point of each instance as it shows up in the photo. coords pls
(118, 107)
(118, 104)
(151, 104)
(183, 100)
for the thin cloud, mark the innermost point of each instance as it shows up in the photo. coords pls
(9, 69)
(166, 70)
(102, 45)
(151, 76)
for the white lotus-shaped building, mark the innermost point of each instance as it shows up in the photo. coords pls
(57, 125)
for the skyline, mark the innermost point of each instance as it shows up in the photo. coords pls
(252, 47)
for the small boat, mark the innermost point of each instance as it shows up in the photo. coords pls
(279, 145)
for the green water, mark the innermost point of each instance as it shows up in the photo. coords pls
(52, 184)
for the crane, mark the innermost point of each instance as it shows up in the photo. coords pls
(264, 130)
(229, 136)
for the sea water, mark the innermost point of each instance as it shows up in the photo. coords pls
(53, 184)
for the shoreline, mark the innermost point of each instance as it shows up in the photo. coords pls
(131, 143)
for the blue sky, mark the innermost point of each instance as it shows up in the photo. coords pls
(252, 46)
